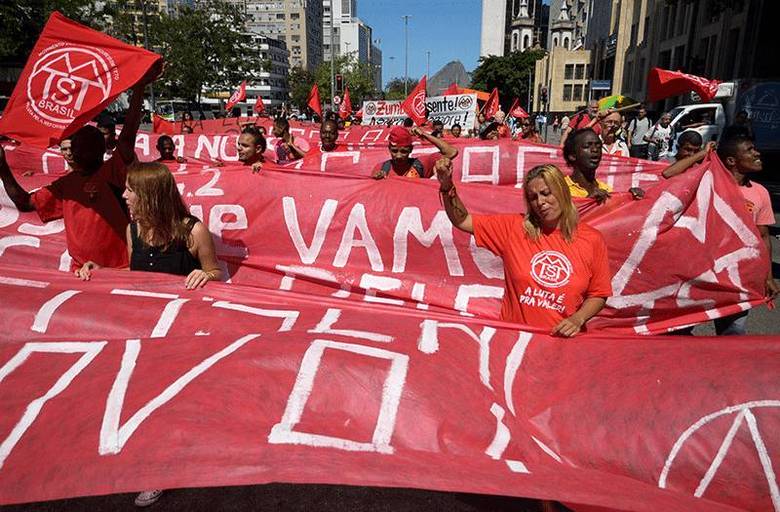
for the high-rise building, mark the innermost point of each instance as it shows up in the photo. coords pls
(512, 25)
(350, 36)
(297, 22)
(271, 85)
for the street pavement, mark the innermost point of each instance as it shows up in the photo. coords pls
(292, 498)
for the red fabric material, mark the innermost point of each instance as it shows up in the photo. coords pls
(516, 110)
(72, 74)
(547, 279)
(414, 104)
(492, 105)
(400, 136)
(237, 96)
(345, 109)
(451, 90)
(94, 221)
(162, 126)
(662, 83)
(582, 120)
(701, 211)
(313, 101)
(279, 386)
(259, 107)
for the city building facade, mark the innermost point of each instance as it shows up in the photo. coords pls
(721, 40)
(297, 22)
(523, 25)
(271, 86)
(351, 36)
(562, 76)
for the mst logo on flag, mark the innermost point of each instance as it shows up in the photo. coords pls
(62, 78)
(72, 74)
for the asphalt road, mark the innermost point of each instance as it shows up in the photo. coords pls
(292, 498)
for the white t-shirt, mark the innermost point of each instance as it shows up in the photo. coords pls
(640, 128)
(618, 148)
(661, 137)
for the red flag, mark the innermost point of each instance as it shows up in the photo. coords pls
(160, 125)
(313, 101)
(662, 83)
(452, 90)
(516, 110)
(345, 109)
(72, 74)
(491, 106)
(414, 104)
(238, 95)
(259, 107)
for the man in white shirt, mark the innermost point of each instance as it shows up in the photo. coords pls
(637, 129)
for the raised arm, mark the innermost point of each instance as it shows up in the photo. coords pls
(446, 149)
(682, 165)
(456, 210)
(19, 196)
(126, 142)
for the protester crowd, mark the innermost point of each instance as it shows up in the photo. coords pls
(120, 213)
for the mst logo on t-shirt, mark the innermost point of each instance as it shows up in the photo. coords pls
(551, 269)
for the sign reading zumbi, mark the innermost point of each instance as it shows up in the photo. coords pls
(73, 72)
(456, 109)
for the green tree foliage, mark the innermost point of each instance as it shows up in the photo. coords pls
(205, 50)
(509, 73)
(357, 77)
(395, 88)
(22, 22)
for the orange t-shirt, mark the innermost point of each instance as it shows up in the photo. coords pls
(547, 279)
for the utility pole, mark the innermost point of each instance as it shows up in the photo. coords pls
(332, 59)
(427, 68)
(406, 57)
(146, 45)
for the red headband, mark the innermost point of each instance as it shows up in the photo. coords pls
(400, 136)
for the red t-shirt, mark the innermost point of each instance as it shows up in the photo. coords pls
(95, 223)
(547, 279)
(581, 121)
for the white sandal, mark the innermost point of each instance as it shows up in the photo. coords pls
(146, 498)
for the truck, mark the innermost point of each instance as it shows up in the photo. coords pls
(759, 98)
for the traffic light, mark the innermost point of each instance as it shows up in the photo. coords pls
(339, 84)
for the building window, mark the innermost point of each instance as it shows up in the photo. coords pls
(578, 89)
(566, 42)
(526, 42)
(579, 71)
(567, 92)
(568, 72)
(634, 31)
(555, 41)
(280, 16)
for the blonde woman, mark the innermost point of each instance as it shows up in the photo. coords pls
(556, 268)
(163, 236)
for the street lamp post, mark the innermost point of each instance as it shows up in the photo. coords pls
(146, 45)
(332, 60)
(406, 50)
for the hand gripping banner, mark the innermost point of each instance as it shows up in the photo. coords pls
(72, 74)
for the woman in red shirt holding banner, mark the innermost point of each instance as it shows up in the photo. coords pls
(555, 267)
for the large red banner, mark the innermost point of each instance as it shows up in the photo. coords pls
(358, 342)
(72, 74)
(348, 235)
(235, 385)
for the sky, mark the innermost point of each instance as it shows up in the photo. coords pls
(450, 29)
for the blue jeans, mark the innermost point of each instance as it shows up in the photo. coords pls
(734, 325)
